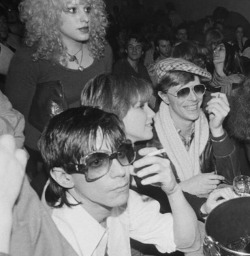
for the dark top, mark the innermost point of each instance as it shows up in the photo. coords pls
(219, 153)
(24, 74)
(123, 68)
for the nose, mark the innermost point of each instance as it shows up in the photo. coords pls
(192, 95)
(116, 170)
(150, 112)
(84, 17)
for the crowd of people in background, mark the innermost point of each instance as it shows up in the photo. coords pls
(88, 94)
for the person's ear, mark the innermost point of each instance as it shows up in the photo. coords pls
(64, 179)
(164, 97)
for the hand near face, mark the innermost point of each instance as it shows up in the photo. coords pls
(217, 108)
(217, 197)
(12, 170)
(202, 183)
(155, 170)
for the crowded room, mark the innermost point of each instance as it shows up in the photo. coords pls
(125, 128)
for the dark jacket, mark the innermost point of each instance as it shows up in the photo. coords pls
(219, 155)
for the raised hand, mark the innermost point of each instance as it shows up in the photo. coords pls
(155, 170)
(217, 108)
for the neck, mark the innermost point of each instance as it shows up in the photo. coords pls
(74, 46)
(134, 64)
(185, 126)
(99, 212)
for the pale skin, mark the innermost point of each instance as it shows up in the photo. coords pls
(217, 108)
(100, 202)
(186, 233)
(75, 30)
(12, 170)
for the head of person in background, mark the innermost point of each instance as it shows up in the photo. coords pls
(240, 38)
(134, 48)
(3, 26)
(127, 97)
(163, 47)
(181, 33)
(228, 56)
(213, 37)
(64, 31)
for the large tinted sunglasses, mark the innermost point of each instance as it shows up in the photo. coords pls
(97, 164)
(183, 93)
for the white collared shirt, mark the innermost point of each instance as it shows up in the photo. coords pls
(140, 220)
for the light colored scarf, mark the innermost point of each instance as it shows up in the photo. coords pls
(186, 163)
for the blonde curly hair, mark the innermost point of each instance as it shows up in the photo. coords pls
(42, 21)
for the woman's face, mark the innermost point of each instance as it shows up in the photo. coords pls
(138, 122)
(239, 33)
(75, 22)
(219, 54)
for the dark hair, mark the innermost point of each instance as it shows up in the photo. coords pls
(233, 63)
(213, 36)
(174, 78)
(115, 94)
(138, 38)
(72, 134)
(185, 50)
(158, 38)
(237, 122)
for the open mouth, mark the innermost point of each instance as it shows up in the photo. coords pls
(192, 107)
(84, 29)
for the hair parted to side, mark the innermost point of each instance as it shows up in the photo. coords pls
(174, 78)
(115, 94)
(42, 22)
(72, 134)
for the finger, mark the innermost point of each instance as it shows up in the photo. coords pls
(150, 170)
(7, 142)
(214, 182)
(218, 105)
(22, 157)
(221, 96)
(213, 176)
(149, 160)
(147, 150)
(217, 112)
(211, 187)
(154, 179)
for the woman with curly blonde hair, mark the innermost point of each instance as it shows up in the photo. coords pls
(64, 47)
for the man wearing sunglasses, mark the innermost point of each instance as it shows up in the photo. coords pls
(201, 154)
(90, 161)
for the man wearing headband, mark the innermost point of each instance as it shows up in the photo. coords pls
(90, 161)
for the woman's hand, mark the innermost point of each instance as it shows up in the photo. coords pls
(217, 108)
(155, 170)
(202, 183)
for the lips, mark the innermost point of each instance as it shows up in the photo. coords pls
(84, 29)
(192, 107)
(122, 187)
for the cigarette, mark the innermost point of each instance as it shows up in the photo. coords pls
(157, 152)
